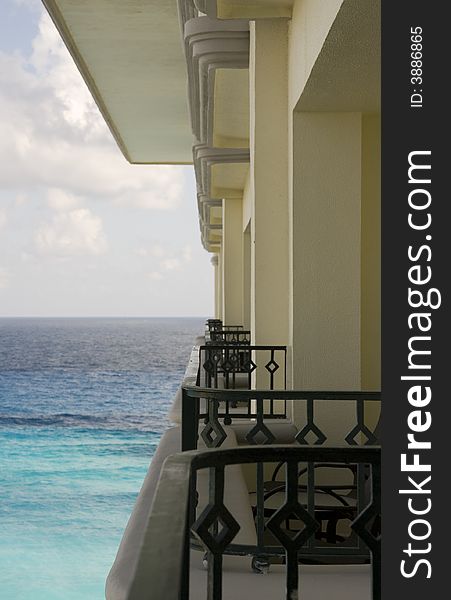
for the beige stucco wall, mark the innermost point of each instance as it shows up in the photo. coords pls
(311, 255)
(326, 251)
(215, 264)
(248, 292)
(371, 261)
(308, 28)
(247, 277)
(219, 295)
(269, 181)
(371, 254)
(335, 323)
(248, 195)
(232, 235)
(326, 262)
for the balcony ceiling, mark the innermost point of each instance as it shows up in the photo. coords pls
(242, 9)
(228, 180)
(231, 109)
(131, 57)
(346, 75)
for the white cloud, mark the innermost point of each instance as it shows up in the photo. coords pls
(153, 251)
(3, 218)
(52, 62)
(4, 278)
(155, 275)
(170, 264)
(60, 200)
(21, 199)
(85, 233)
(54, 136)
(172, 261)
(70, 234)
(29, 3)
(157, 251)
(164, 260)
(187, 254)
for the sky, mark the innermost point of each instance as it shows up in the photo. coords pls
(82, 232)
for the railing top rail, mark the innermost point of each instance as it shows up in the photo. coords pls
(160, 564)
(247, 348)
(243, 394)
(230, 332)
(213, 457)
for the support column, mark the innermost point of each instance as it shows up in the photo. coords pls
(219, 296)
(326, 251)
(371, 253)
(232, 251)
(247, 277)
(269, 181)
(215, 262)
(370, 333)
(327, 259)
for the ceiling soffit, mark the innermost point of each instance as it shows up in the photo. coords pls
(347, 73)
(131, 58)
(217, 56)
(205, 159)
(246, 9)
(210, 45)
(231, 119)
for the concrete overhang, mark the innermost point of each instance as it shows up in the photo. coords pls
(228, 179)
(220, 173)
(217, 55)
(231, 119)
(246, 9)
(347, 73)
(211, 239)
(131, 58)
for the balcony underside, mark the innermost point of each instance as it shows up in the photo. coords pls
(131, 58)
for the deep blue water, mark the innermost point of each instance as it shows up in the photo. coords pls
(83, 403)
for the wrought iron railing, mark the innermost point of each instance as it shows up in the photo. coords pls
(213, 324)
(231, 366)
(179, 525)
(212, 407)
(217, 325)
(230, 336)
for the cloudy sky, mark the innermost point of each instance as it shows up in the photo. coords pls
(82, 232)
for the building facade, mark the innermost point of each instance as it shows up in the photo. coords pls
(276, 103)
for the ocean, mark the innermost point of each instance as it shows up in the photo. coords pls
(83, 404)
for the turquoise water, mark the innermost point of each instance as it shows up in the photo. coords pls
(82, 408)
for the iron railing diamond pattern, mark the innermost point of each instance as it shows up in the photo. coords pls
(216, 526)
(256, 400)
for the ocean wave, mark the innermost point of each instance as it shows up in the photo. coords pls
(109, 422)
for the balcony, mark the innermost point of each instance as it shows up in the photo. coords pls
(255, 493)
(178, 567)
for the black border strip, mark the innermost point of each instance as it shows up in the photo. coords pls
(408, 127)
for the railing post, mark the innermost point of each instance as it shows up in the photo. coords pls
(184, 583)
(173, 517)
(190, 418)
